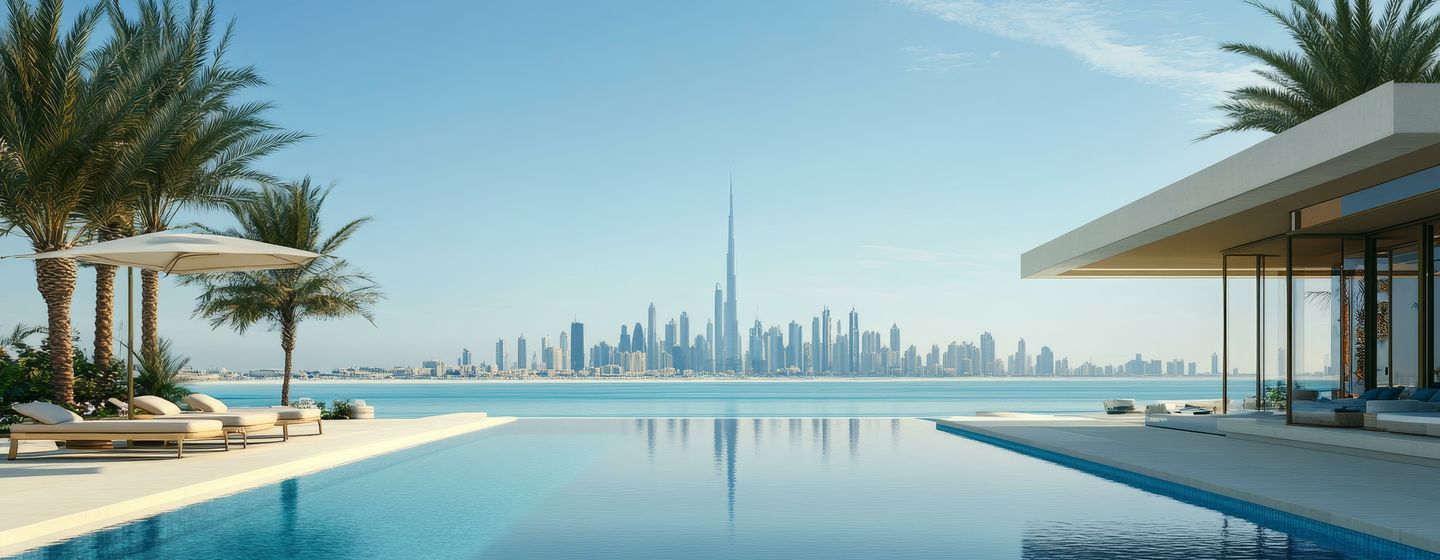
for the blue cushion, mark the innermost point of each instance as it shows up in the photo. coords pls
(1372, 394)
(1435, 398)
(1423, 394)
(1390, 393)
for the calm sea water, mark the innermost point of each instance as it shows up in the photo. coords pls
(701, 489)
(907, 398)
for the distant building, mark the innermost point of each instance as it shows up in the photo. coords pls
(577, 346)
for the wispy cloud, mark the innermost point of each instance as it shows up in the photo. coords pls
(1089, 31)
(936, 61)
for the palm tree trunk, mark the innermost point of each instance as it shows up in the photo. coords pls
(149, 311)
(55, 278)
(287, 343)
(105, 308)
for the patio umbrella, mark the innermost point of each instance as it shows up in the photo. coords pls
(177, 253)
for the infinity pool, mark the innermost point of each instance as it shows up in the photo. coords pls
(702, 489)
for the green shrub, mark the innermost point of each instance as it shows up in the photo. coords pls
(25, 377)
(339, 410)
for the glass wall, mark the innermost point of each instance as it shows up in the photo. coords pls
(1429, 295)
(1242, 333)
(1255, 319)
(1398, 359)
(1314, 323)
(1328, 318)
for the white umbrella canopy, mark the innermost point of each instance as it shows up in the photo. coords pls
(178, 253)
(185, 253)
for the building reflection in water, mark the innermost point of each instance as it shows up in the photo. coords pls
(854, 438)
(725, 434)
(726, 430)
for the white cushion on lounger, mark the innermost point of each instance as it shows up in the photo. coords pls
(289, 413)
(205, 403)
(46, 413)
(232, 419)
(121, 427)
(156, 405)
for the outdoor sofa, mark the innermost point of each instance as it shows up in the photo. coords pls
(57, 423)
(242, 423)
(286, 416)
(1417, 400)
(1346, 413)
(1419, 423)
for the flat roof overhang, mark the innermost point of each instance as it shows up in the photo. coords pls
(1183, 229)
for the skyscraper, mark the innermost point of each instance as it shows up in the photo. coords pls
(894, 337)
(564, 361)
(853, 355)
(652, 351)
(732, 319)
(1045, 362)
(987, 353)
(1021, 359)
(826, 356)
(685, 336)
(669, 344)
(520, 354)
(577, 346)
(465, 357)
(624, 340)
(637, 339)
(709, 357)
(814, 364)
(500, 354)
(718, 340)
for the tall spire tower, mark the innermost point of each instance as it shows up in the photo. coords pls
(732, 321)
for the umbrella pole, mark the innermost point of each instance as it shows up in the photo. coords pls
(130, 342)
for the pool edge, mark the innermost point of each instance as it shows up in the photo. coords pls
(1195, 491)
(16, 540)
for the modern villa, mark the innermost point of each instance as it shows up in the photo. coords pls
(1315, 234)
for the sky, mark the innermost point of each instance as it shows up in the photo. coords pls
(533, 163)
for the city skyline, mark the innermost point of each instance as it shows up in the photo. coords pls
(769, 350)
(875, 173)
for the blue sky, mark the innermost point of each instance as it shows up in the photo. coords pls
(531, 162)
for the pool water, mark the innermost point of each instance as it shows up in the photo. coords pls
(698, 489)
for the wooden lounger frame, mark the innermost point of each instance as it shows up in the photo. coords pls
(285, 427)
(244, 431)
(127, 437)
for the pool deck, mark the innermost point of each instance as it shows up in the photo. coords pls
(52, 495)
(1389, 499)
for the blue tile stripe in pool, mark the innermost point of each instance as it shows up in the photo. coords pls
(1348, 540)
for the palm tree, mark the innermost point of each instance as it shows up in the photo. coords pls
(58, 125)
(16, 337)
(327, 288)
(135, 58)
(160, 373)
(1343, 53)
(211, 140)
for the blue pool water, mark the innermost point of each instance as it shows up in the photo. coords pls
(728, 399)
(700, 489)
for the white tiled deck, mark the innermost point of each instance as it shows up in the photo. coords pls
(1390, 499)
(54, 495)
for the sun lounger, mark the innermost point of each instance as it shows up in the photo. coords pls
(243, 423)
(286, 416)
(56, 423)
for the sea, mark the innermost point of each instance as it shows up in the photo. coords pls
(908, 398)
